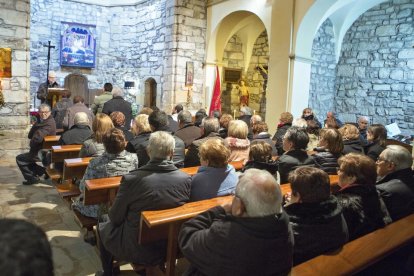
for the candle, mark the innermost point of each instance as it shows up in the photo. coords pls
(254, 112)
(234, 114)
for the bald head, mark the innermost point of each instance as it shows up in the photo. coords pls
(260, 193)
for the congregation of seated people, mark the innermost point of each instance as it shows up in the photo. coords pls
(260, 232)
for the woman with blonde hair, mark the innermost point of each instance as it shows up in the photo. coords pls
(329, 150)
(142, 131)
(101, 124)
(351, 139)
(215, 177)
(237, 141)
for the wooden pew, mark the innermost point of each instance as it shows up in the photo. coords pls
(59, 154)
(49, 141)
(359, 254)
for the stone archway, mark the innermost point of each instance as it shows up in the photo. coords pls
(150, 93)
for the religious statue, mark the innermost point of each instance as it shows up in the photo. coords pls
(243, 93)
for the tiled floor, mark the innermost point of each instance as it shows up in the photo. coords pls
(41, 205)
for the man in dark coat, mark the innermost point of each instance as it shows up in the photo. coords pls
(158, 121)
(295, 142)
(209, 129)
(155, 186)
(79, 132)
(246, 116)
(315, 215)
(188, 132)
(251, 236)
(42, 92)
(27, 161)
(117, 103)
(78, 106)
(396, 181)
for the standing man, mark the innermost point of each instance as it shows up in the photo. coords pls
(117, 103)
(362, 127)
(100, 100)
(43, 88)
(78, 106)
(27, 161)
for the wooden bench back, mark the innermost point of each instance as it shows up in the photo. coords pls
(49, 141)
(75, 168)
(60, 153)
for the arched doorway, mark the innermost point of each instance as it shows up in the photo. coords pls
(150, 92)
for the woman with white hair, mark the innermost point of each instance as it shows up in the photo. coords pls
(79, 132)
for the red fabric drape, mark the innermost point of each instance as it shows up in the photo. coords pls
(215, 100)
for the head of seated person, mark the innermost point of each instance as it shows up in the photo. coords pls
(141, 124)
(146, 110)
(199, 116)
(331, 141)
(260, 157)
(356, 168)
(260, 127)
(286, 118)
(100, 125)
(309, 185)
(184, 118)
(81, 119)
(394, 159)
(114, 141)
(377, 134)
(255, 119)
(214, 154)
(158, 120)
(238, 129)
(308, 114)
(209, 125)
(295, 139)
(161, 146)
(25, 249)
(349, 132)
(118, 119)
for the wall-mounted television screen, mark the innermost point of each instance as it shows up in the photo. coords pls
(78, 45)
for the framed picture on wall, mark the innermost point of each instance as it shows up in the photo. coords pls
(5, 63)
(189, 73)
(78, 45)
(232, 75)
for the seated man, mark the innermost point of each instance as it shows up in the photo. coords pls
(158, 121)
(79, 132)
(25, 249)
(251, 236)
(188, 132)
(295, 143)
(157, 185)
(27, 161)
(315, 215)
(395, 181)
(209, 129)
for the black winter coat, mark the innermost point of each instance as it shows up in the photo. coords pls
(156, 186)
(317, 227)
(373, 150)
(278, 138)
(38, 132)
(188, 134)
(362, 209)
(397, 191)
(220, 244)
(265, 137)
(271, 166)
(326, 161)
(292, 159)
(76, 135)
(353, 146)
(119, 104)
(191, 157)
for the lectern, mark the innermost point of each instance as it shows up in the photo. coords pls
(54, 95)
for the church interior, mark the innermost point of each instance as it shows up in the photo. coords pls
(351, 57)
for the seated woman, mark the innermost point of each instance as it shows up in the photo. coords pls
(295, 142)
(114, 161)
(285, 122)
(377, 138)
(118, 119)
(351, 140)
(237, 141)
(363, 209)
(313, 130)
(224, 125)
(315, 215)
(142, 131)
(308, 115)
(94, 146)
(260, 133)
(214, 177)
(329, 150)
(260, 157)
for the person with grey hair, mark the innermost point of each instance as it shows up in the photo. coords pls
(27, 161)
(209, 129)
(187, 131)
(79, 132)
(250, 236)
(78, 106)
(396, 181)
(117, 103)
(246, 116)
(157, 185)
(363, 128)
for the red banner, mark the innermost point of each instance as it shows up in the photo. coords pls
(215, 100)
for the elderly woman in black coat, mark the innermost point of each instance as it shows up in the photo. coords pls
(377, 138)
(363, 209)
(329, 150)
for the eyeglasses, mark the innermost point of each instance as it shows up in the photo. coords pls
(380, 159)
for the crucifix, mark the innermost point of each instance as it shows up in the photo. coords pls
(48, 60)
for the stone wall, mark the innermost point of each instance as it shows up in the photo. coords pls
(323, 73)
(14, 116)
(130, 41)
(375, 73)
